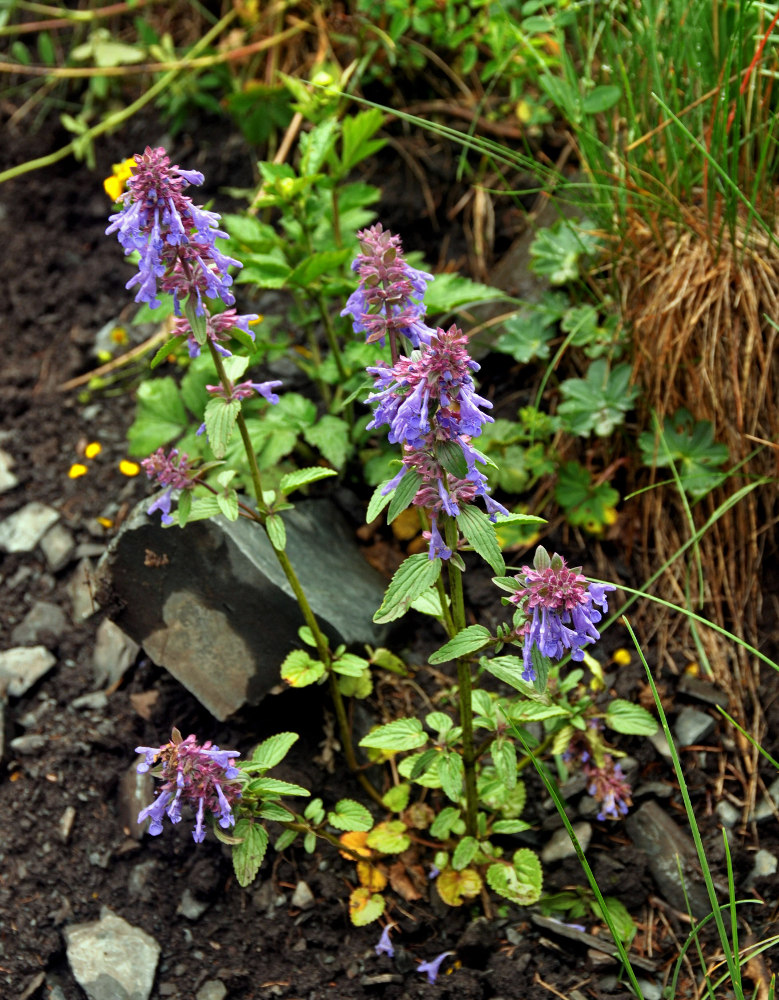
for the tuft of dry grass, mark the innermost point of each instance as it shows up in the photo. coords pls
(702, 305)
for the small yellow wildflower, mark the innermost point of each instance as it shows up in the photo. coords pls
(128, 468)
(105, 522)
(621, 657)
(692, 669)
(76, 470)
(114, 185)
(93, 449)
(119, 335)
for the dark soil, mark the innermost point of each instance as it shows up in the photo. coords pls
(63, 280)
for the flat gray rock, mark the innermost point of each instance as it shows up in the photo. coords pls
(81, 591)
(21, 667)
(7, 479)
(560, 845)
(211, 603)
(111, 959)
(59, 546)
(22, 531)
(114, 653)
(692, 726)
(44, 623)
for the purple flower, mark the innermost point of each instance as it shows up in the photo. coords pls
(384, 947)
(172, 470)
(560, 603)
(388, 300)
(432, 967)
(217, 330)
(607, 785)
(242, 390)
(202, 776)
(174, 237)
(162, 504)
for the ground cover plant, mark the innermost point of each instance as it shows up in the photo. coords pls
(457, 777)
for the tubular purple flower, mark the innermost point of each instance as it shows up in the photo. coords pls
(243, 390)
(433, 967)
(607, 785)
(201, 776)
(384, 946)
(217, 330)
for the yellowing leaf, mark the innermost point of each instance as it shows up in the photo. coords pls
(370, 876)
(455, 887)
(355, 841)
(365, 907)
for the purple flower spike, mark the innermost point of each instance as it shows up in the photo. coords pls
(607, 785)
(432, 967)
(559, 602)
(202, 776)
(384, 947)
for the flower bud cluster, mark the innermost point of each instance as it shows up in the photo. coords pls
(172, 470)
(202, 776)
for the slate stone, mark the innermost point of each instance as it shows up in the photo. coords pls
(111, 959)
(44, 623)
(212, 605)
(560, 845)
(21, 667)
(81, 591)
(114, 653)
(655, 833)
(692, 727)
(22, 531)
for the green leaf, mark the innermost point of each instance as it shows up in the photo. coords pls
(632, 720)
(504, 757)
(248, 855)
(480, 532)
(350, 665)
(438, 722)
(221, 416)
(311, 268)
(403, 494)
(286, 838)
(299, 669)
(454, 887)
(464, 853)
(442, 825)
(451, 773)
(472, 638)
(586, 503)
(510, 826)
(396, 799)
(623, 922)
(304, 477)
(509, 670)
(196, 319)
(228, 504)
(688, 445)
(167, 348)
(450, 456)
(557, 251)
(275, 812)
(378, 502)
(601, 98)
(365, 906)
(389, 837)
(450, 292)
(277, 533)
(521, 881)
(273, 750)
(266, 270)
(272, 786)
(350, 815)
(527, 335)
(412, 578)
(402, 734)
(331, 436)
(316, 145)
(599, 401)
(160, 416)
(357, 141)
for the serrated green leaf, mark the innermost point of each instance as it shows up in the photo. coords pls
(557, 250)
(623, 922)
(403, 494)
(272, 786)
(184, 507)
(378, 502)
(317, 264)
(275, 812)
(442, 825)
(510, 826)
(464, 853)
(277, 533)
(167, 348)
(632, 720)
(402, 734)
(299, 669)
(520, 881)
(357, 141)
(504, 757)
(413, 577)
(396, 799)
(350, 815)
(480, 533)
(451, 773)
(248, 855)
(228, 504)
(365, 906)
(350, 665)
(160, 416)
(439, 722)
(509, 670)
(454, 887)
(286, 838)
(472, 638)
(304, 477)
(450, 456)
(331, 436)
(273, 750)
(562, 739)
(220, 416)
(389, 837)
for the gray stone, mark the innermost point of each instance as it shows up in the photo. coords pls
(212, 605)
(189, 907)
(214, 989)
(22, 531)
(140, 878)
(655, 833)
(765, 864)
(728, 814)
(660, 743)
(81, 591)
(111, 959)
(560, 845)
(692, 726)
(702, 690)
(43, 623)
(114, 653)
(7, 479)
(58, 545)
(136, 791)
(96, 701)
(22, 666)
(302, 897)
(28, 745)
(766, 808)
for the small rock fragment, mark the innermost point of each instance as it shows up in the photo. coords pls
(22, 531)
(560, 845)
(189, 907)
(7, 479)
(28, 745)
(111, 959)
(692, 726)
(214, 989)
(58, 546)
(44, 623)
(114, 653)
(728, 814)
(81, 590)
(136, 791)
(66, 823)
(302, 897)
(22, 667)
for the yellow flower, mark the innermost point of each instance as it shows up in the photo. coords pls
(114, 185)
(128, 468)
(93, 449)
(76, 470)
(621, 657)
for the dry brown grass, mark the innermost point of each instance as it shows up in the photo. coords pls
(700, 309)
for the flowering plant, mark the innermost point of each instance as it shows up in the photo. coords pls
(426, 396)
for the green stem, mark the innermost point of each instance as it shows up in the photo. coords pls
(115, 119)
(335, 348)
(465, 685)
